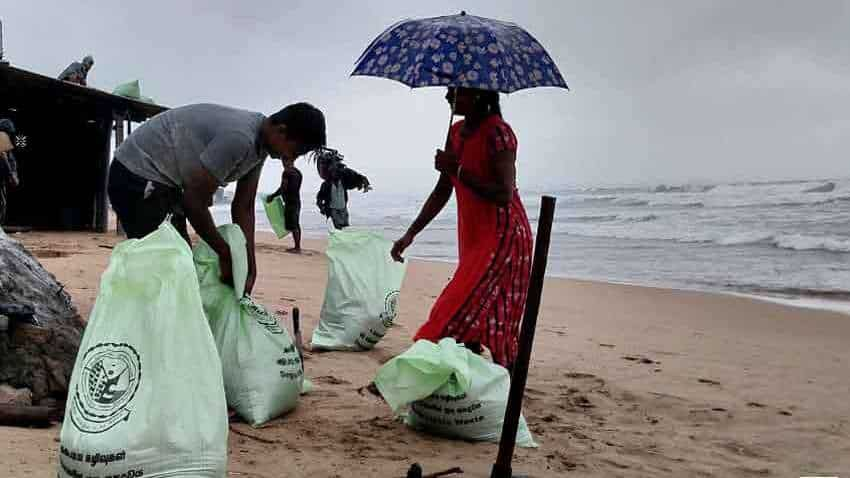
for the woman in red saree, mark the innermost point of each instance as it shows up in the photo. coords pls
(484, 302)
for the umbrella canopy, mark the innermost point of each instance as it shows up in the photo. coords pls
(462, 51)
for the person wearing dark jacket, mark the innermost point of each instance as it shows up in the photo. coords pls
(8, 166)
(337, 179)
(78, 72)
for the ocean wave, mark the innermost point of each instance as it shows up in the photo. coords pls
(596, 199)
(801, 242)
(794, 292)
(688, 188)
(646, 218)
(601, 218)
(683, 205)
(793, 242)
(630, 202)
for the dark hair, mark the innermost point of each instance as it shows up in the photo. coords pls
(304, 123)
(489, 102)
(6, 126)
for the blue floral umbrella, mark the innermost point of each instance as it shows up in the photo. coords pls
(461, 51)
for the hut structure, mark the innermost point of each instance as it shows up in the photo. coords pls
(64, 148)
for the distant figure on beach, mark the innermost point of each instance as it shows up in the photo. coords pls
(174, 163)
(78, 72)
(337, 180)
(484, 302)
(290, 191)
(8, 166)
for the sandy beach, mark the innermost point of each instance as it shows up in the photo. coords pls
(626, 382)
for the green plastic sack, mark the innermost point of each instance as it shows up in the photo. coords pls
(275, 210)
(362, 292)
(446, 390)
(146, 397)
(131, 89)
(263, 373)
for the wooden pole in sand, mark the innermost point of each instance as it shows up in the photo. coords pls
(502, 467)
(119, 138)
(296, 333)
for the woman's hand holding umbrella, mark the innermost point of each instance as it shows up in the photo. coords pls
(446, 162)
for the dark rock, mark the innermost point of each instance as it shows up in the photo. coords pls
(36, 354)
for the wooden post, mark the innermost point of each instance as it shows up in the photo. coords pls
(502, 467)
(119, 138)
(296, 333)
(101, 201)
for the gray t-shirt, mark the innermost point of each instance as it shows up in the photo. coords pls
(224, 141)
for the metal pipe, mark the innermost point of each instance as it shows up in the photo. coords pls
(502, 467)
(2, 50)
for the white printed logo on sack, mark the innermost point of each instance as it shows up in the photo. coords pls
(110, 376)
(390, 312)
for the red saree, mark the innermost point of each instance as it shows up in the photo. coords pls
(484, 301)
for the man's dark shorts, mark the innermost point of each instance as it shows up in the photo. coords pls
(141, 205)
(292, 216)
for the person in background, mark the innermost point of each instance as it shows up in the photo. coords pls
(8, 166)
(175, 162)
(484, 302)
(337, 179)
(78, 72)
(290, 191)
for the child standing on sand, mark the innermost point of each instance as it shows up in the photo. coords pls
(290, 190)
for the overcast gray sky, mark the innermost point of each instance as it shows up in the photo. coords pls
(662, 91)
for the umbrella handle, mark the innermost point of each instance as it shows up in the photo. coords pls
(451, 118)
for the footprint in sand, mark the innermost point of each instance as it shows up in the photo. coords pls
(331, 380)
(579, 375)
(550, 419)
(640, 359)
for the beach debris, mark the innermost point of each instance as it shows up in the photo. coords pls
(640, 359)
(262, 367)
(15, 396)
(148, 368)
(709, 381)
(258, 438)
(785, 413)
(40, 329)
(331, 380)
(362, 294)
(26, 416)
(755, 405)
(416, 471)
(579, 375)
(610, 346)
(582, 401)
